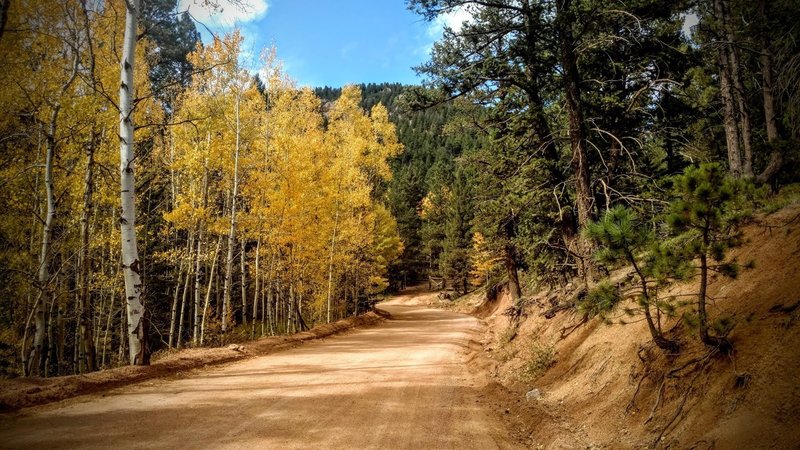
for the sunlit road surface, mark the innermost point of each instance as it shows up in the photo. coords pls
(402, 384)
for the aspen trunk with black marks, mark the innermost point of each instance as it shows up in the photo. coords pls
(732, 137)
(256, 287)
(109, 324)
(228, 287)
(266, 309)
(199, 315)
(768, 93)
(49, 351)
(36, 357)
(86, 345)
(174, 309)
(208, 291)
(355, 293)
(185, 298)
(123, 321)
(24, 353)
(577, 132)
(330, 262)
(197, 294)
(131, 266)
(242, 259)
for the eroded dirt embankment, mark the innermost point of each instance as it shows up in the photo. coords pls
(25, 392)
(607, 386)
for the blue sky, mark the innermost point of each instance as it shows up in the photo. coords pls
(331, 42)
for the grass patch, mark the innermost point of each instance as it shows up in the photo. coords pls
(536, 357)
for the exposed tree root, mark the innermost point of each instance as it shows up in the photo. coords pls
(659, 396)
(632, 404)
(698, 365)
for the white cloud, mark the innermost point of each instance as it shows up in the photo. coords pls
(224, 13)
(452, 19)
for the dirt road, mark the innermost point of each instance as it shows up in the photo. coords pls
(402, 384)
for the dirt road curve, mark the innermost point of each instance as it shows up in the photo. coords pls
(402, 384)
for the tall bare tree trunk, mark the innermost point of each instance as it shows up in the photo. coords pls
(242, 259)
(198, 315)
(577, 131)
(745, 129)
(767, 88)
(36, 358)
(185, 297)
(109, 323)
(86, 345)
(330, 262)
(197, 294)
(730, 121)
(174, 310)
(131, 265)
(256, 288)
(208, 291)
(226, 304)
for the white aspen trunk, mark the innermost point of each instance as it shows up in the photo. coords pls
(32, 248)
(330, 262)
(198, 315)
(174, 309)
(43, 275)
(271, 314)
(226, 303)
(244, 284)
(355, 294)
(96, 326)
(208, 291)
(123, 319)
(131, 265)
(184, 299)
(197, 294)
(86, 345)
(292, 310)
(107, 330)
(256, 286)
(265, 308)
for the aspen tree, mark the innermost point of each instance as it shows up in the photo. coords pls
(131, 265)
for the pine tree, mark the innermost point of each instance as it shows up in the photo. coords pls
(621, 236)
(454, 261)
(710, 206)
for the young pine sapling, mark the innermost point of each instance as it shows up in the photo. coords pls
(622, 237)
(705, 217)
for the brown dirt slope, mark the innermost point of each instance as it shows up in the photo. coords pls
(607, 386)
(24, 392)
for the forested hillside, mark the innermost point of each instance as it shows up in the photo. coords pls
(580, 109)
(433, 140)
(158, 194)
